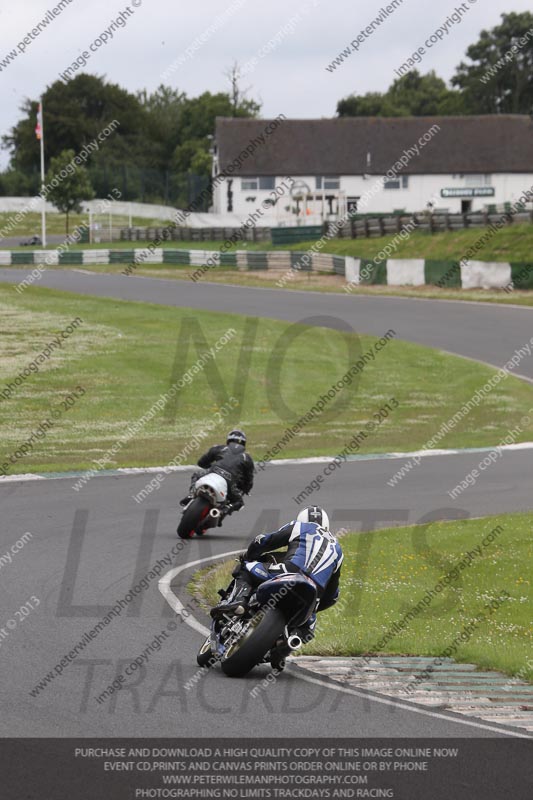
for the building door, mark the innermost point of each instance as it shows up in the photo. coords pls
(352, 205)
(466, 206)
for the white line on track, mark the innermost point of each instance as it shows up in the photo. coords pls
(280, 462)
(174, 601)
(176, 604)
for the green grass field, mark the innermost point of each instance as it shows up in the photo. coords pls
(386, 574)
(512, 243)
(124, 355)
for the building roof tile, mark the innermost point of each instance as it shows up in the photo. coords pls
(372, 145)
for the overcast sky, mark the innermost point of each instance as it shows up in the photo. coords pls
(292, 78)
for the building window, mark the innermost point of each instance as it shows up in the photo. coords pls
(249, 184)
(266, 184)
(327, 183)
(478, 180)
(400, 182)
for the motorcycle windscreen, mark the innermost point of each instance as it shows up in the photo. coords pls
(293, 593)
(216, 483)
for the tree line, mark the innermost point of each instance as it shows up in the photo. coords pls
(159, 152)
(496, 78)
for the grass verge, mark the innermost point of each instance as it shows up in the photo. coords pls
(386, 574)
(125, 355)
(511, 243)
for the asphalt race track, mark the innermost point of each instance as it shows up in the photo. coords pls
(90, 547)
(483, 331)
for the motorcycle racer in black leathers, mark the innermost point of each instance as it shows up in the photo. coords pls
(233, 463)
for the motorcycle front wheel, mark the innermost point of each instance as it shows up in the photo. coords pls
(250, 650)
(205, 657)
(193, 515)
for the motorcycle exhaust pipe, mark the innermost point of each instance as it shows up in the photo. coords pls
(294, 642)
(215, 513)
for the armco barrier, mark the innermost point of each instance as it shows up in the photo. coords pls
(357, 271)
(292, 234)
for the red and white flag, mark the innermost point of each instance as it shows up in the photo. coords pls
(39, 125)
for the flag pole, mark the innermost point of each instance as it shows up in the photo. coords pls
(40, 135)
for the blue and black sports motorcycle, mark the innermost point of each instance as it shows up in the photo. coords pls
(265, 631)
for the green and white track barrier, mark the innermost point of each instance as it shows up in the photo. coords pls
(391, 272)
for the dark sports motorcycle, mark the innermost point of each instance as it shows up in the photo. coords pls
(207, 506)
(263, 632)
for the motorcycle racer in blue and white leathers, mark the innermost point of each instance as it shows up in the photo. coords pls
(311, 549)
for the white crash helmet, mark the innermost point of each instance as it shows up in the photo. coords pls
(314, 514)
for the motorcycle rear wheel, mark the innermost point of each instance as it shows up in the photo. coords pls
(192, 517)
(251, 649)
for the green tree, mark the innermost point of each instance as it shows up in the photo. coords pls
(197, 128)
(73, 115)
(412, 95)
(163, 110)
(200, 113)
(419, 95)
(499, 79)
(370, 104)
(69, 184)
(15, 183)
(159, 134)
(186, 153)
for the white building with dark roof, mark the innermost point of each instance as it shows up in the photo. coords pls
(370, 164)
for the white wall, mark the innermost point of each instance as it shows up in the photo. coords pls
(142, 210)
(250, 201)
(421, 189)
(8, 204)
(146, 210)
